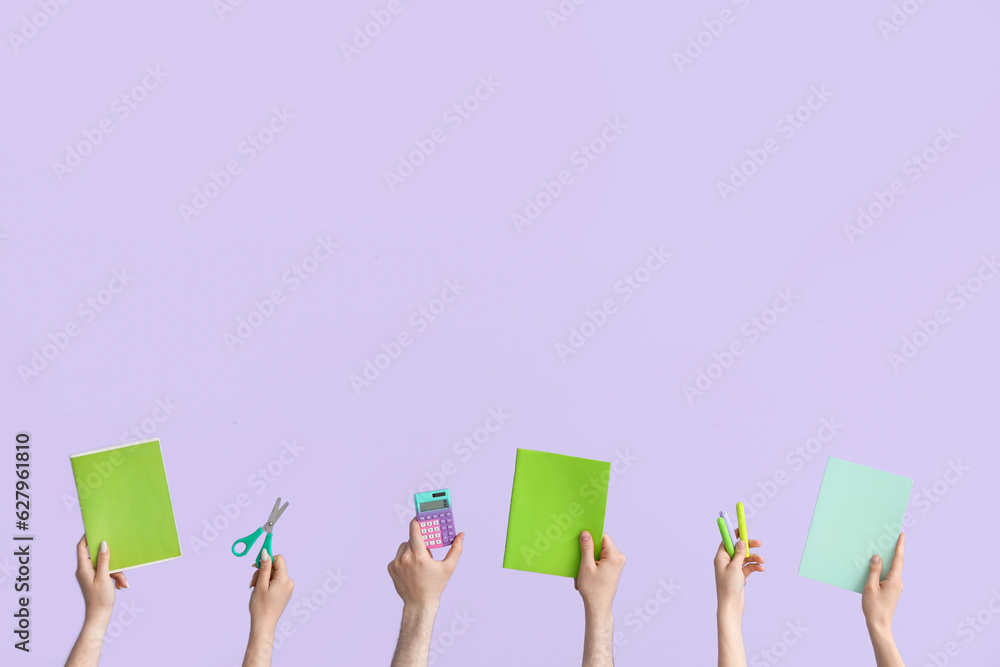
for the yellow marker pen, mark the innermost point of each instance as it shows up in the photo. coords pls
(741, 519)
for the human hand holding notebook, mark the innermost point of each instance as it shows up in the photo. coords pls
(98, 586)
(878, 602)
(598, 577)
(597, 582)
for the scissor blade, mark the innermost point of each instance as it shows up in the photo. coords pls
(276, 512)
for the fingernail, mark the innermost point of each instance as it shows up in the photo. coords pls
(126, 584)
(103, 548)
(876, 560)
(265, 556)
(740, 545)
(584, 536)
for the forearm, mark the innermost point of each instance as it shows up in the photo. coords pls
(886, 653)
(414, 642)
(87, 649)
(260, 646)
(598, 637)
(731, 650)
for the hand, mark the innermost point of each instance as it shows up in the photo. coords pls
(272, 588)
(597, 581)
(97, 585)
(878, 600)
(418, 578)
(731, 574)
(98, 588)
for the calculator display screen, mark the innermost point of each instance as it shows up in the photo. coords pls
(433, 505)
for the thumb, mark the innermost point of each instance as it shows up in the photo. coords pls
(586, 548)
(874, 572)
(279, 569)
(264, 573)
(455, 550)
(740, 554)
(103, 560)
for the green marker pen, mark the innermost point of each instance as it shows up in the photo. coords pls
(726, 539)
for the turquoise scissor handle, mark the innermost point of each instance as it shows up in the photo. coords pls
(247, 542)
(266, 547)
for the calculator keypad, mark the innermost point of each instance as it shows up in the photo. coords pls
(437, 528)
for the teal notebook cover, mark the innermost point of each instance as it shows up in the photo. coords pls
(859, 513)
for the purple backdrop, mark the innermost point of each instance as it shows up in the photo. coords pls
(595, 204)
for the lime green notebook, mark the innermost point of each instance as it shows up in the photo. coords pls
(859, 513)
(125, 500)
(553, 499)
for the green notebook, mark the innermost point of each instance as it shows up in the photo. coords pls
(553, 499)
(859, 513)
(125, 500)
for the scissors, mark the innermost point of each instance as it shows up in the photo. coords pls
(248, 541)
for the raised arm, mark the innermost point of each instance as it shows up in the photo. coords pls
(420, 580)
(272, 588)
(878, 602)
(98, 588)
(730, 584)
(597, 582)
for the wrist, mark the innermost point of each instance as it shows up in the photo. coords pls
(880, 630)
(96, 619)
(729, 610)
(262, 628)
(729, 613)
(597, 609)
(420, 610)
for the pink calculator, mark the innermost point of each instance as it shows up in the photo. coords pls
(437, 525)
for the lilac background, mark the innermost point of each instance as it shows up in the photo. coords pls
(162, 337)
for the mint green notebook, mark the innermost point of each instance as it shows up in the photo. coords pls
(124, 500)
(859, 513)
(553, 499)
